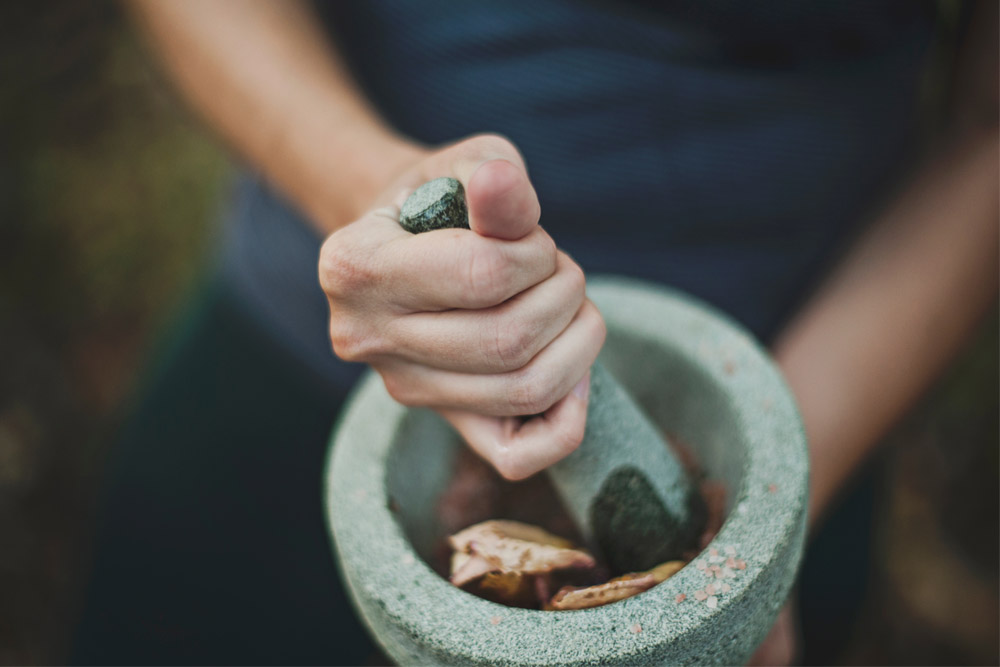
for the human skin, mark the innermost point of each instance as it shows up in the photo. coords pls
(432, 313)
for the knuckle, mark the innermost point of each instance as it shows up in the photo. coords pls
(523, 397)
(532, 392)
(589, 316)
(514, 345)
(351, 341)
(328, 265)
(600, 327)
(569, 438)
(400, 390)
(549, 247)
(547, 252)
(343, 344)
(342, 272)
(485, 279)
(576, 278)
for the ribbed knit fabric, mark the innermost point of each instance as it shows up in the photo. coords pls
(726, 148)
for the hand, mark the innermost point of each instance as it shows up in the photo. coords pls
(483, 325)
(781, 646)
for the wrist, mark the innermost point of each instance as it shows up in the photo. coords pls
(376, 165)
(349, 184)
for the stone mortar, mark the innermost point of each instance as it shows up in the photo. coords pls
(700, 378)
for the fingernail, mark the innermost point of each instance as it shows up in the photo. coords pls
(582, 388)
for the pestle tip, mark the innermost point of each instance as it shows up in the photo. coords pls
(437, 204)
(633, 529)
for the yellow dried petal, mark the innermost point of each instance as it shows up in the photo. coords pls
(664, 571)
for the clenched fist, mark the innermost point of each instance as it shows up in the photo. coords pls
(482, 325)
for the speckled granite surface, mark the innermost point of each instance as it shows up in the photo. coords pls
(437, 204)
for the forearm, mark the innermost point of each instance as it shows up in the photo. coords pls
(896, 310)
(262, 74)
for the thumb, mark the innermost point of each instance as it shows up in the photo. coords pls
(502, 202)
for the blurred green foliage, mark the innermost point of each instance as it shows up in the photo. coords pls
(109, 193)
(110, 186)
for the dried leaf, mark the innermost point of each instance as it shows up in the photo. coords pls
(510, 588)
(620, 588)
(510, 546)
(512, 562)
(512, 529)
(465, 568)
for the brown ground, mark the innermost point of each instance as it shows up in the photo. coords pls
(107, 193)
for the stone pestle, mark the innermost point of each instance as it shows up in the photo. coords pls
(624, 488)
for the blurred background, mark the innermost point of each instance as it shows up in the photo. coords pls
(110, 195)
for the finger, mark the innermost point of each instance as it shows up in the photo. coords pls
(347, 259)
(457, 268)
(493, 340)
(375, 260)
(518, 449)
(529, 390)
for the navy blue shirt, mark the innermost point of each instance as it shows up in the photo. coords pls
(726, 148)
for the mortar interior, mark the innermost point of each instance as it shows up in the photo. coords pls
(676, 391)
